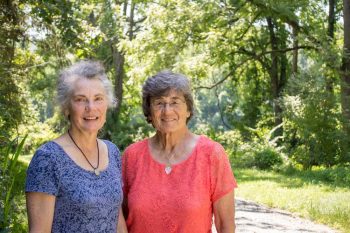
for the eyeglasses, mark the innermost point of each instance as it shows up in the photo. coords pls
(161, 104)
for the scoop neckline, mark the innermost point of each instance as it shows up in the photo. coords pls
(163, 165)
(81, 168)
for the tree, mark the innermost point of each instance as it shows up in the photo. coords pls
(345, 90)
(10, 99)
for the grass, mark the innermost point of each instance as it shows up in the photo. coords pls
(310, 194)
(25, 159)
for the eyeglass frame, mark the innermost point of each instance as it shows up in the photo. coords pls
(175, 103)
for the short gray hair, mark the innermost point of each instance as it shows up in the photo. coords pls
(87, 69)
(160, 84)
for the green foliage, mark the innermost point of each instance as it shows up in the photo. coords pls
(267, 158)
(303, 192)
(10, 104)
(262, 153)
(126, 131)
(259, 156)
(62, 16)
(313, 124)
(38, 132)
(12, 180)
(338, 176)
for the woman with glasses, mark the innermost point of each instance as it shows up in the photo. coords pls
(175, 181)
(74, 182)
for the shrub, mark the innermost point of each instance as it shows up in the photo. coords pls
(267, 158)
(313, 123)
(12, 182)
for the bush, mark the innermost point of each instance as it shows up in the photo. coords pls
(38, 134)
(267, 158)
(12, 176)
(313, 123)
(262, 152)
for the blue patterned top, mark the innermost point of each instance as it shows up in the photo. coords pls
(84, 202)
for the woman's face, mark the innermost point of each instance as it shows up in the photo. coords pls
(88, 105)
(169, 113)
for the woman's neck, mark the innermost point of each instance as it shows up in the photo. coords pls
(169, 141)
(82, 139)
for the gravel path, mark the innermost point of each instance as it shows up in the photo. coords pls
(254, 218)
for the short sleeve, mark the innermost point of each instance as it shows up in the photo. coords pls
(42, 174)
(222, 179)
(124, 172)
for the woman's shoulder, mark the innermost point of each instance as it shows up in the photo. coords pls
(210, 147)
(46, 155)
(48, 149)
(207, 143)
(110, 144)
(137, 147)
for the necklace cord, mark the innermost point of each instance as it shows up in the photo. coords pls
(98, 152)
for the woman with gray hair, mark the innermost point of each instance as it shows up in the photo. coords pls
(175, 181)
(74, 182)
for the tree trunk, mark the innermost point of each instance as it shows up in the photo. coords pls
(330, 34)
(331, 18)
(345, 88)
(131, 21)
(274, 79)
(295, 51)
(118, 63)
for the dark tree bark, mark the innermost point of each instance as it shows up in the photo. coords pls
(118, 64)
(274, 58)
(119, 60)
(131, 21)
(330, 34)
(331, 18)
(345, 88)
(275, 83)
(295, 51)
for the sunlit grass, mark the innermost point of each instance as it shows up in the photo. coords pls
(313, 199)
(25, 158)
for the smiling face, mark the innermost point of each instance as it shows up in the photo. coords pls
(169, 113)
(88, 105)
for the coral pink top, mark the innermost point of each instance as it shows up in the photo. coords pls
(181, 201)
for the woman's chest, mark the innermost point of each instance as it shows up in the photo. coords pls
(185, 188)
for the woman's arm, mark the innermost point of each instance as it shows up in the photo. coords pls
(121, 223)
(224, 213)
(40, 209)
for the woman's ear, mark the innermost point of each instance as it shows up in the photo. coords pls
(66, 114)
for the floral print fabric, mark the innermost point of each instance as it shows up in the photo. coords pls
(84, 202)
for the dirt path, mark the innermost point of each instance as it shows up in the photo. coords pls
(255, 218)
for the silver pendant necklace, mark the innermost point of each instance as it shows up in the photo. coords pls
(97, 172)
(167, 169)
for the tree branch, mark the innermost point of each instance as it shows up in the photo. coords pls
(253, 57)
